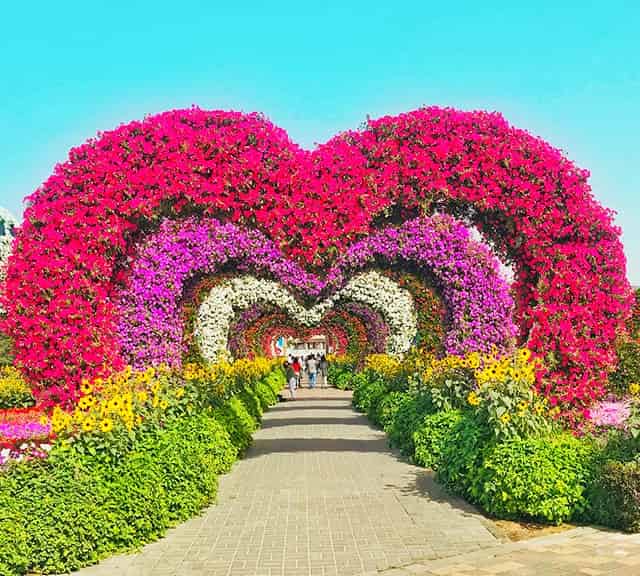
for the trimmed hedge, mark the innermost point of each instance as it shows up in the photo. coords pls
(543, 479)
(76, 507)
(614, 496)
(431, 435)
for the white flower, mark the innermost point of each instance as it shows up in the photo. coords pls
(224, 301)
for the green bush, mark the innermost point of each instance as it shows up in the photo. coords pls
(6, 350)
(430, 436)
(266, 395)
(628, 370)
(376, 394)
(408, 416)
(388, 408)
(237, 421)
(276, 381)
(91, 499)
(251, 402)
(539, 478)
(614, 496)
(343, 381)
(364, 390)
(461, 454)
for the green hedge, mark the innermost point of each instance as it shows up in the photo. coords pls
(543, 479)
(614, 496)
(431, 435)
(79, 505)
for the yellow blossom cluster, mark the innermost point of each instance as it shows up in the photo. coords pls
(518, 366)
(124, 398)
(14, 389)
(388, 366)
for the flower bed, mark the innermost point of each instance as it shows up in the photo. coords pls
(478, 422)
(141, 453)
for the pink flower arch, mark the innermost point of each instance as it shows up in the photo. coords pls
(534, 206)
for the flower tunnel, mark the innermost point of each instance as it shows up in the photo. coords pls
(119, 234)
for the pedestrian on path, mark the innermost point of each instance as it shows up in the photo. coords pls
(312, 370)
(296, 369)
(292, 380)
(324, 371)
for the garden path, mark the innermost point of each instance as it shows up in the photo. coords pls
(318, 493)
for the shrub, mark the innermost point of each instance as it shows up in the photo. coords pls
(366, 387)
(628, 370)
(430, 436)
(377, 391)
(461, 453)
(344, 381)
(14, 548)
(614, 496)
(266, 395)
(409, 415)
(252, 403)
(539, 478)
(237, 421)
(388, 408)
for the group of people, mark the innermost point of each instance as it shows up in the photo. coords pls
(314, 365)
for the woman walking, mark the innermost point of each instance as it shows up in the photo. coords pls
(292, 380)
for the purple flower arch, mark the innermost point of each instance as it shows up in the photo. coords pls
(465, 272)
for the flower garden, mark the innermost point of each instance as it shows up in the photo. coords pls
(157, 266)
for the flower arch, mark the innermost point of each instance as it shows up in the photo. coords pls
(533, 204)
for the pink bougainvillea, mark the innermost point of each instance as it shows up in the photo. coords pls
(533, 204)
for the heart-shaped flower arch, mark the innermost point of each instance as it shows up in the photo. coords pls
(467, 275)
(532, 203)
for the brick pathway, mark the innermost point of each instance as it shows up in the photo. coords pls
(319, 493)
(580, 552)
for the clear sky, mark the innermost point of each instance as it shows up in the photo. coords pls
(568, 71)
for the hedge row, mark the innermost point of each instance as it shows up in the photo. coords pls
(553, 478)
(76, 507)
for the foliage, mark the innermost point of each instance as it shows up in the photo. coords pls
(367, 389)
(7, 356)
(388, 408)
(614, 496)
(430, 436)
(409, 415)
(539, 478)
(628, 371)
(15, 392)
(340, 370)
(116, 490)
(461, 453)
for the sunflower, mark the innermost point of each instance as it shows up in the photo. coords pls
(106, 425)
(86, 387)
(89, 424)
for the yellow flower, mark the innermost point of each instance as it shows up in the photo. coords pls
(179, 392)
(85, 402)
(142, 396)
(155, 387)
(473, 399)
(106, 425)
(44, 420)
(89, 424)
(522, 405)
(114, 404)
(505, 418)
(86, 386)
(164, 405)
(634, 388)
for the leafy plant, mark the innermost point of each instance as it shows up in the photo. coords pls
(409, 415)
(539, 478)
(614, 496)
(430, 436)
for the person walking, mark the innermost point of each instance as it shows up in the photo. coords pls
(296, 369)
(292, 381)
(324, 371)
(312, 370)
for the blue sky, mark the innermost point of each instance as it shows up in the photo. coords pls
(566, 71)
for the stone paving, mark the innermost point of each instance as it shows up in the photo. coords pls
(318, 494)
(578, 552)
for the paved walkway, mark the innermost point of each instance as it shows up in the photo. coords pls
(320, 494)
